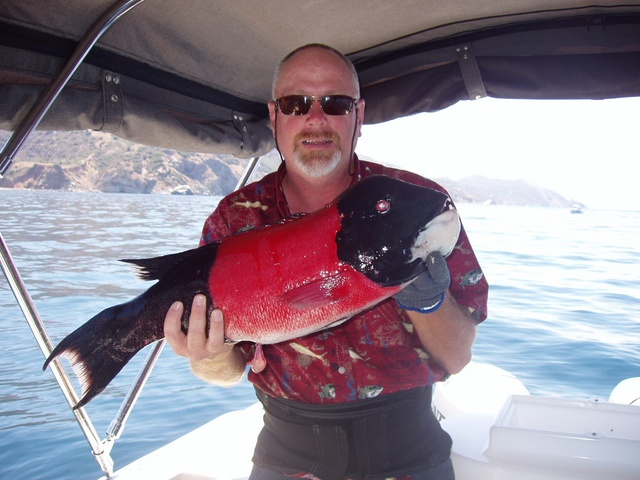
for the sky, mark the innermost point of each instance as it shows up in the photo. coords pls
(586, 150)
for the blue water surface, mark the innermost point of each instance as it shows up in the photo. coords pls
(564, 314)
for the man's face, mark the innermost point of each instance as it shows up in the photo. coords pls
(316, 144)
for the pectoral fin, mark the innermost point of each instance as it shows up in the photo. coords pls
(317, 293)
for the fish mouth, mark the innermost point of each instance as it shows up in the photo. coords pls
(440, 234)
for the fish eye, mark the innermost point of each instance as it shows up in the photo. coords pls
(383, 206)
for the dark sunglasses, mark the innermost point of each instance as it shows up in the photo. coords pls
(301, 104)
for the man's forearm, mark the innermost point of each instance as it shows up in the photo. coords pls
(447, 334)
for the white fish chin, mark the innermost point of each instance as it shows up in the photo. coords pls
(440, 234)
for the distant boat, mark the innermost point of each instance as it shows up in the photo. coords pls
(576, 208)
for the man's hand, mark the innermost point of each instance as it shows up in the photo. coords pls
(197, 344)
(426, 293)
(211, 358)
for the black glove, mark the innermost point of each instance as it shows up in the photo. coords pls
(426, 293)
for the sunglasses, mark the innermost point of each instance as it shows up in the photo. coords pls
(301, 104)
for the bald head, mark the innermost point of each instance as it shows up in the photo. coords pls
(315, 52)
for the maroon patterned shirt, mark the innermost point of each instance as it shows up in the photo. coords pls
(376, 352)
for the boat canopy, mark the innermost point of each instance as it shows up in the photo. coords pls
(195, 75)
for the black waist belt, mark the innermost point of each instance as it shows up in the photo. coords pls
(386, 436)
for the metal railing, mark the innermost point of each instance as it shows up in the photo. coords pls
(101, 449)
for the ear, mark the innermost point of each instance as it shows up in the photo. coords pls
(360, 106)
(272, 114)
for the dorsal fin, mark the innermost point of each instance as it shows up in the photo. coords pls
(157, 267)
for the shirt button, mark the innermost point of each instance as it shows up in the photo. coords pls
(342, 370)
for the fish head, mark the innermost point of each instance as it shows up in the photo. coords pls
(389, 227)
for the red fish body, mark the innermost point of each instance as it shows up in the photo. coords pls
(275, 284)
(278, 282)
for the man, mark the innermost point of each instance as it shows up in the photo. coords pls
(352, 401)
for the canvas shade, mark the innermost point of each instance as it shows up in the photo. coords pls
(195, 75)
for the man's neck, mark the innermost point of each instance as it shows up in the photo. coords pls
(307, 195)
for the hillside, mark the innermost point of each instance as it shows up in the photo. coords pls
(479, 189)
(94, 161)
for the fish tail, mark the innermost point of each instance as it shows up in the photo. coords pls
(99, 349)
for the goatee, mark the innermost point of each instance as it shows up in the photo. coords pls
(317, 163)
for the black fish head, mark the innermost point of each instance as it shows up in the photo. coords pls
(389, 226)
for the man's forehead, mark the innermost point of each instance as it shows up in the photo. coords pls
(314, 70)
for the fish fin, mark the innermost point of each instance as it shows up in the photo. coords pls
(317, 293)
(99, 349)
(340, 321)
(157, 267)
(258, 362)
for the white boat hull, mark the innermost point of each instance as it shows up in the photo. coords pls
(499, 432)
(221, 450)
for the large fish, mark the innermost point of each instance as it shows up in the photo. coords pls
(277, 282)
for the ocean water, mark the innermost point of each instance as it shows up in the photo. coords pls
(564, 314)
